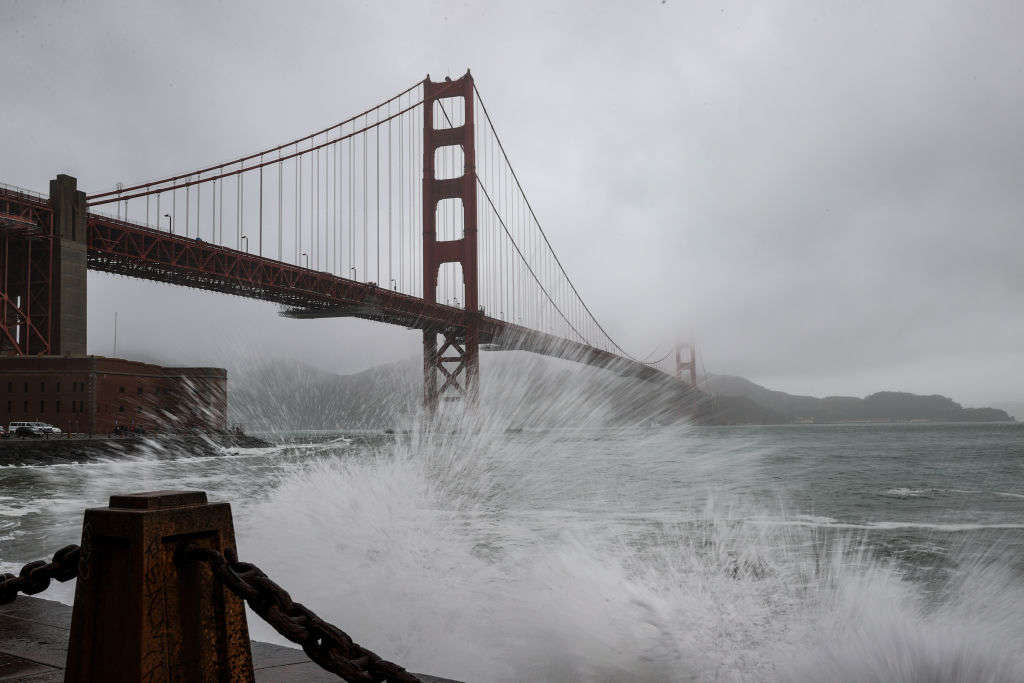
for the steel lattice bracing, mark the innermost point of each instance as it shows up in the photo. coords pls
(26, 274)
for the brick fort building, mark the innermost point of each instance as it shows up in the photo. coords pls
(94, 395)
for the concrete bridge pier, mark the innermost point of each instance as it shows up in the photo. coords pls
(70, 262)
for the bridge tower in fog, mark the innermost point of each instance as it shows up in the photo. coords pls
(686, 365)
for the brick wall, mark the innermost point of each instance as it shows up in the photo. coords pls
(92, 394)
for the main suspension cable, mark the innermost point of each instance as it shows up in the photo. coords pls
(540, 228)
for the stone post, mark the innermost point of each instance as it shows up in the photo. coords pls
(139, 616)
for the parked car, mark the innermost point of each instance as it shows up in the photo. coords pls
(127, 430)
(32, 429)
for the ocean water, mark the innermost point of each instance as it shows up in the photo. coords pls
(795, 553)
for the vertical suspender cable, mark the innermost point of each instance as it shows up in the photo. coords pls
(314, 206)
(351, 205)
(311, 235)
(377, 194)
(401, 201)
(240, 187)
(280, 206)
(220, 217)
(390, 214)
(332, 204)
(366, 188)
(260, 236)
(344, 205)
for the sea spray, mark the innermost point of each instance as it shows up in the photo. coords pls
(582, 548)
(456, 554)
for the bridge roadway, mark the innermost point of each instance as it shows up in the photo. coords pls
(124, 248)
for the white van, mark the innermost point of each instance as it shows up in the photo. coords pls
(32, 429)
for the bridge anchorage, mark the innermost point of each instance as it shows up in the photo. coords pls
(409, 213)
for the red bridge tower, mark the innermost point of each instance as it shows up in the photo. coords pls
(457, 361)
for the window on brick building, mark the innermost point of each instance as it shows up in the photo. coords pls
(26, 387)
(120, 409)
(58, 406)
(42, 387)
(122, 390)
(10, 406)
(58, 387)
(10, 387)
(139, 391)
(26, 406)
(42, 406)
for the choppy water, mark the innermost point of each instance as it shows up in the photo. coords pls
(808, 553)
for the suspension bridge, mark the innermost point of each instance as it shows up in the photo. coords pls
(409, 213)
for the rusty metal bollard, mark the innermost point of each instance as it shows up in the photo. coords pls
(139, 616)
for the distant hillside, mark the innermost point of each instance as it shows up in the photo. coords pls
(1015, 409)
(522, 389)
(894, 406)
(518, 388)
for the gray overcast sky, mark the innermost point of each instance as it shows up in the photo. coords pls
(827, 195)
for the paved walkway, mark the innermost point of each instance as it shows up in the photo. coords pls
(34, 641)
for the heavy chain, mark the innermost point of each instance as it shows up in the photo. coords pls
(324, 643)
(35, 577)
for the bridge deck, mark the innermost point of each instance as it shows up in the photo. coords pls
(125, 248)
(128, 249)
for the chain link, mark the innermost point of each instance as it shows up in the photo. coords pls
(35, 577)
(324, 643)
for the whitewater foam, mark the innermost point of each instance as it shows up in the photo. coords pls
(420, 551)
(545, 555)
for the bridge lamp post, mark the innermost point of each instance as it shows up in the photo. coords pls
(394, 285)
(355, 272)
(170, 222)
(246, 238)
(307, 258)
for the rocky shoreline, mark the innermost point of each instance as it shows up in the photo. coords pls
(82, 449)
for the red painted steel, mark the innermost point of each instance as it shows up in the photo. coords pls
(463, 341)
(26, 274)
(128, 249)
